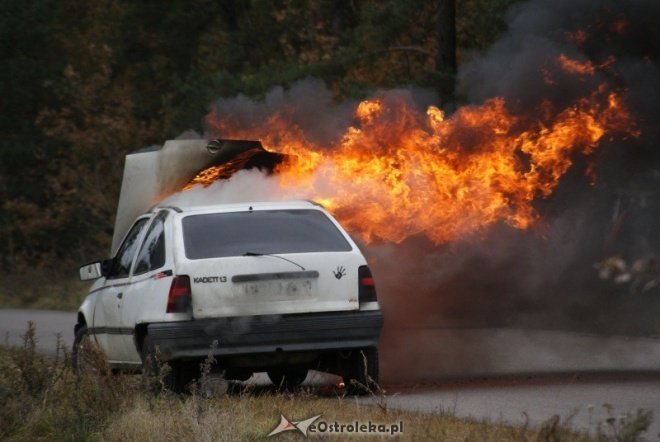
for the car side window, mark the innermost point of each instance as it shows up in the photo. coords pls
(124, 257)
(152, 252)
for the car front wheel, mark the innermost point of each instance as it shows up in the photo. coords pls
(86, 356)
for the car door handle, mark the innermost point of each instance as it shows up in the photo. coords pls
(120, 295)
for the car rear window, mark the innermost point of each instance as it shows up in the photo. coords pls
(219, 235)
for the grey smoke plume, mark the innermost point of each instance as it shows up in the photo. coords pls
(583, 222)
(308, 103)
(543, 278)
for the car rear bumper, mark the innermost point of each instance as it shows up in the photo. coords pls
(266, 334)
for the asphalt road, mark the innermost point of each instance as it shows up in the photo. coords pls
(519, 376)
(506, 375)
(49, 325)
(579, 400)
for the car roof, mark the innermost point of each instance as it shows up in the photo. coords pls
(240, 207)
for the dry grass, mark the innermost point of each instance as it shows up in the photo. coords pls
(43, 400)
(249, 417)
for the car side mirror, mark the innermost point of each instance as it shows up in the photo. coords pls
(96, 269)
(90, 271)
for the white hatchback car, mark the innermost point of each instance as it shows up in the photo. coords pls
(276, 287)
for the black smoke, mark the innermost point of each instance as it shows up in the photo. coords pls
(545, 277)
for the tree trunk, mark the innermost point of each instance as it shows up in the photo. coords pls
(445, 60)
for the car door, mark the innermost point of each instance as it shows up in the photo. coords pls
(107, 320)
(145, 298)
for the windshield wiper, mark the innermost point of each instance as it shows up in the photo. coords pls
(274, 256)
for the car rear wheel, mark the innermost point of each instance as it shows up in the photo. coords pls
(238, 375)
(158, 375)
(287, 378)
(361, 374)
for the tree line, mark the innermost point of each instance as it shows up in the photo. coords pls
(83, 83)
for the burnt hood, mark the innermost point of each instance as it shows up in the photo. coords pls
(152, 174)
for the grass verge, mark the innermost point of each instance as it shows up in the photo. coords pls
(43, 400)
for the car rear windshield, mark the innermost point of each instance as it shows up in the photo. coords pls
(219, 235)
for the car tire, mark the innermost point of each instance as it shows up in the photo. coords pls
(86, 356)
(287, 378)
(157, 375)
(238, 375)
(361, 376)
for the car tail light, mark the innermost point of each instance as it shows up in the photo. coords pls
(367, 287)
(179, 299)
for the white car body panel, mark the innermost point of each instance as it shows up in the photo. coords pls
(144, 297)
(274, 296)
(224, 298)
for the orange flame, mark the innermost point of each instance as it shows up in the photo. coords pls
(222, 171)
(397, 172)
(582, 67)
(575, 66)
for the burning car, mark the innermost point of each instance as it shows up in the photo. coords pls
(277, 287)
